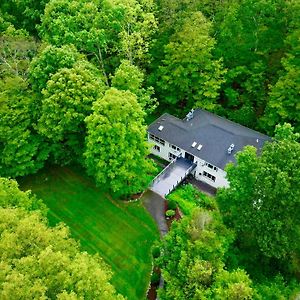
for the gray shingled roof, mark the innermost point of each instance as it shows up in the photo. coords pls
(214, 133)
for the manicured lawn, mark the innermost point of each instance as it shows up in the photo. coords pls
(122, 233)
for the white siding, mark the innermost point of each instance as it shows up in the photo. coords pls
(164, 150)
(220, 174)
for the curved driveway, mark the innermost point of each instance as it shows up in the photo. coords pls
(155, 204)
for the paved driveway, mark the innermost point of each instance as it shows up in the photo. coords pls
(155, 204)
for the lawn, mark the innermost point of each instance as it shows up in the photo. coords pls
(122, 233)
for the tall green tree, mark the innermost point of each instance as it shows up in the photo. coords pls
(189, 75)
(38, 262)
(250, 38)
(136, 23)
(277, 288)
(11, 196)
(116, 149)
(48, 61)
(109, 31)
(130, 78)
(284, 98)
(24, 14)
(80, 23)
(262, 202)
(193, 258)
(67, 100)
(234, 285)
(23, 150)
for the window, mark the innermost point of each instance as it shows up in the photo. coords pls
(172, 156)
(212, 167)
(174, 147)
(211, 177)
(156, 139)
(157, 148)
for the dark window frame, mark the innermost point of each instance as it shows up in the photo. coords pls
(156, 139)
(211, 167)
(171, 156)
(157, 148)
(208, 175)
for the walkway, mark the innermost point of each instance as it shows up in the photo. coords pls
(165, 182)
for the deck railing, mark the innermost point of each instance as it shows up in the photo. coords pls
(156, 178)
(188, 171)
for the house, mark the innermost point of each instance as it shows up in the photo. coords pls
(205, 139)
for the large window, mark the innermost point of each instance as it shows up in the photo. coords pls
(174, 147)
(157, 148)
(156, 139)
(172, 156)
(211, 177)
(212, 167)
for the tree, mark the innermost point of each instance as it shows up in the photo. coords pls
(48, 61)
(262, 202)
(234, 285)
(193, 258)
(136, 25)
(79, 23)
(277, 288)
(24, 14)
(67, 100)
(116, 149)
(11, 197)
(130, 78)
(23, 151)
(250, 38)
(286, 132)
(189, 75)
(283, 105)
(38, 262)
(17, 49)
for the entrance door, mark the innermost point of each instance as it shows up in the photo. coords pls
(189, 156)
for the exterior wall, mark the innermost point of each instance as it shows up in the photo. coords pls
(219, 174)
(164, 150)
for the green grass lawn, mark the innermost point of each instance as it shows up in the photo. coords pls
(122, 233)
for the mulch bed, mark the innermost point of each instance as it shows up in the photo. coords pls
(152, 292)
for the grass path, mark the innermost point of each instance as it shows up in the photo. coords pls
(122, 233)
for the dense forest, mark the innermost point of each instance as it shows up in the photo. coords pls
(79, 82)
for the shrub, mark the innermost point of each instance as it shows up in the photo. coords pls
(170, 213)
(155, 251)
(188, 198)
(155, 278)
(172, 204)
